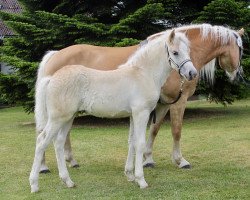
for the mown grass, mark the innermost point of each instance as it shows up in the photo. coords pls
(216, 140)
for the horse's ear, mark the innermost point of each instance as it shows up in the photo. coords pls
(241, 31)
(171, 36)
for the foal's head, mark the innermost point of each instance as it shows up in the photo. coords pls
(179, 55)
(230, 59)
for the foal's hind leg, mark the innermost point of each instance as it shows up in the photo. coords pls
(68, 152)
(43, 140)
(176, 115)
(59, 142)
(161, 111)
(44, 168)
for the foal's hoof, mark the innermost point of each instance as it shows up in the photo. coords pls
(149, 165)
(142, 183)
(69, 183)
(75, 166)
(130, 176)
(44, 171)
(186, 167)
(34, 189)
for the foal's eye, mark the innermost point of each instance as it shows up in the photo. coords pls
(175, 53)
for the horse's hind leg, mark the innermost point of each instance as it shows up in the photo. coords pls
(176, 115)
(59, 142)
(161, 111)
(68, 152)
(42, 142)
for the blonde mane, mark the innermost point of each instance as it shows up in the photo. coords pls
(221, 34)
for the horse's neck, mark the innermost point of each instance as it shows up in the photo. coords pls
(203, 50)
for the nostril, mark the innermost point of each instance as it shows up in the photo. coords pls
(192, 74)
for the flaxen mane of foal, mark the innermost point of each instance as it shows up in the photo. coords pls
(207, 43)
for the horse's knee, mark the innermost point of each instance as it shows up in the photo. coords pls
(176, 132)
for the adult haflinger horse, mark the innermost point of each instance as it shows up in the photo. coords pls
(135, 94)
(206, 43)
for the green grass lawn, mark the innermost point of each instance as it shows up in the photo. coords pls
(215, 140)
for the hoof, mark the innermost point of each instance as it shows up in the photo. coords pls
(45, 171)
(142, 183)
(149, 165)
(186, 167)
(75, 166)
(34, 189)
(130, 176)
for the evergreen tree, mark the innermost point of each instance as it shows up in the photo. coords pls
(44, 26)
(51, 25)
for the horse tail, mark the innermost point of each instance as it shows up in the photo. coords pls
(41, 115)
(41, 69)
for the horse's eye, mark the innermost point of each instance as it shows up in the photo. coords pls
(175, 53)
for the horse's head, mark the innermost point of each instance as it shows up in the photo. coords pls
(179, 55)
(230, 59)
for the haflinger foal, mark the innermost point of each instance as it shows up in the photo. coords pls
(135, 94)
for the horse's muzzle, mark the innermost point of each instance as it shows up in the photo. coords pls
(192, 74)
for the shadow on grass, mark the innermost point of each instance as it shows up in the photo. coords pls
(190, 113)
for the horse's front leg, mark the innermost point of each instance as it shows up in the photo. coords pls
(68, 152)
(140, 120)
(176, 116)
(160, 111)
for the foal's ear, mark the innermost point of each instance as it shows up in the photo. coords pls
(241, 31)
(171, 36)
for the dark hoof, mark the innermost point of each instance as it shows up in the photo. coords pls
(149, 165)
(186, 167)
(76, 166)
(45, 171)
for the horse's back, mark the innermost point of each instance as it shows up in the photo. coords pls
(97, 57)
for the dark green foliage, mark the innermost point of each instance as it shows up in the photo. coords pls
(52, 25)
(236, 15)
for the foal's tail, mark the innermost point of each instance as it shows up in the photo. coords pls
(46, 57)
(41, 115)
(40, 98)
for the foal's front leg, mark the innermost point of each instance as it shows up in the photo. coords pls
(129, 167)
(176, 115)
(140, 125)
